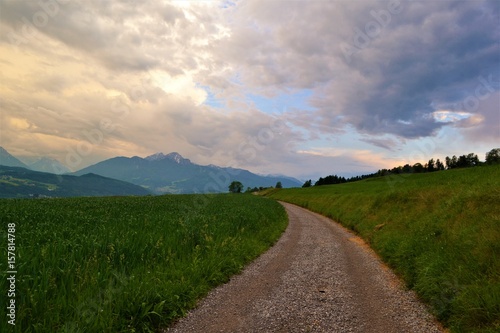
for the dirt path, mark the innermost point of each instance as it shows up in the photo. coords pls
(317, 278)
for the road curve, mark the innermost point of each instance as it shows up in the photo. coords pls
(318, 277)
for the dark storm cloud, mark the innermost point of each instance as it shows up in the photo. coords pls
(411, 69)
(398, 70)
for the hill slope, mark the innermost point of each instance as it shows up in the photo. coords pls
(9, 160)
(23, 183)
(440, 231)
(172, 173)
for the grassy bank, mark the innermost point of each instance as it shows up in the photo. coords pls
(439, 231)
(127, 264)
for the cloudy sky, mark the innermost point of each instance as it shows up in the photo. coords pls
(302, 88)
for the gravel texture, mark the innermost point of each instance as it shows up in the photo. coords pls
(319, 277)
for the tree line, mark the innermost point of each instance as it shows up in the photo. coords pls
(237, 187)
(454, 162)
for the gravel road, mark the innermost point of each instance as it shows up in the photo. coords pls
(318, 277)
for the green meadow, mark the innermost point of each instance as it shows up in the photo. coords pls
(439, 231)
(127, 264)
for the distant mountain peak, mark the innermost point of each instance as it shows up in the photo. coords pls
(176, 157)
(46, 164)
(155, 157)
(8, 160)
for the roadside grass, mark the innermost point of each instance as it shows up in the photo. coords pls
(127, 264)
(439, 231)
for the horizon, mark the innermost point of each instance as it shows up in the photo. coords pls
(346, 175)
(344, 88)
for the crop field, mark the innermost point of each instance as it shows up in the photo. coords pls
(126, 264)
(439, 231)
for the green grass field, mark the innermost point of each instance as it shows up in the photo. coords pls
(440, 231)
(127, 264)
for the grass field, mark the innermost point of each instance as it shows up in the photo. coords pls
(440, 231)
(127, 264)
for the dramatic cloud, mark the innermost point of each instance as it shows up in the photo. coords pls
(383, 67)
(296, 87)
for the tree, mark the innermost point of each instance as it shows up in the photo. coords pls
(329, 180)
(462, 162)
(308, 183)
(235, 187)
(431, 165)
(448, 162)
(439, 165)
(279, 185)
(451, 163)
(472, 160)
(418, 168)
(493, 156)
(407, 168)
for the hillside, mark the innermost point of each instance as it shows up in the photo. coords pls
(440, 231)
(23, 183)
(8, 160)
(172, 173)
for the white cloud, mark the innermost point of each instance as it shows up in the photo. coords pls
(447, 116)
(181, 86)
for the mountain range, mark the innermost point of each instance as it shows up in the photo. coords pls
(157, 173)
(172, 173)
(43, 164)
